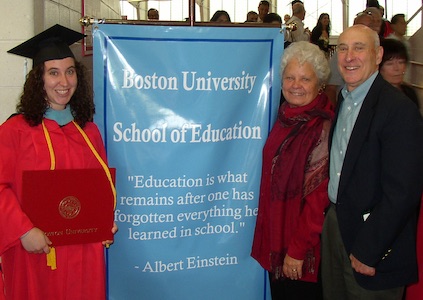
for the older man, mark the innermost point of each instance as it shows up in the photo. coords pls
(335, 81)
(376, 179)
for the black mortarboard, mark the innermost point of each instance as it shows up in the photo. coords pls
(53, 43)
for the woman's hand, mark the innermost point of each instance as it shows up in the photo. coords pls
(292, 268)
(35, 241)
(109, 242)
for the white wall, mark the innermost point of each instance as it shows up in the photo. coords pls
(16, 25)
(22, 20)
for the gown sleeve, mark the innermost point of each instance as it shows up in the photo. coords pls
(13, 221)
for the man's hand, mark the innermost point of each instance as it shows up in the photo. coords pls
(361, 268)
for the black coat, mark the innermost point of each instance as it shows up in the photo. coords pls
(382, 174)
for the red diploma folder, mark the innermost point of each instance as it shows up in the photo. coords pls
(70, 206)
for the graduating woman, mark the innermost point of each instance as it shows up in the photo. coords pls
(52, 129)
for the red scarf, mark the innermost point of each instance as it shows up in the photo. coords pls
(290, 161)
(293, 166)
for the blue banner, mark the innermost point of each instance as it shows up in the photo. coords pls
(184, 112)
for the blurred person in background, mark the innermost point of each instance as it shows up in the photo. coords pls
(399, 27)
(153, 14)
(252, 17)
(321, 32)
(394, 65)
(263, 10)
(273, 18)
(300, 33)
(221, 16)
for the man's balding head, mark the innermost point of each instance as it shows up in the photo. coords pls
(375, 12)
(364, 19)
(298, 10)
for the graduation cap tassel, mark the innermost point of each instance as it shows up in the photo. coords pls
(25, 68)
(51, 259)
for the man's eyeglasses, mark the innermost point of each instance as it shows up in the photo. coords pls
(364, 13)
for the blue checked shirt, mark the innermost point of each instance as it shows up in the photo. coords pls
(347, 116)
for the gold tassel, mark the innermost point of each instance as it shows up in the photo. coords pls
(51, 258)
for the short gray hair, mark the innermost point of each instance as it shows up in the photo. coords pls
(297, 8)
(307, 52)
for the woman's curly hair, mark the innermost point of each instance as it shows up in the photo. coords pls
(33, 103)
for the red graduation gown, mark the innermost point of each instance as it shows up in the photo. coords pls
(80, 272)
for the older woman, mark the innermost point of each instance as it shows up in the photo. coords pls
(293, 192)
(393, 66)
